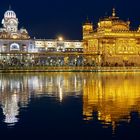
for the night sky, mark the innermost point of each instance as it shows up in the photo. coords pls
(51, 18)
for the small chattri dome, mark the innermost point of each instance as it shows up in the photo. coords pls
(9, 14)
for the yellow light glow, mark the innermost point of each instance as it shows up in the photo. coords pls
(112, 101)
(118, 41)
(14, 37)
(60, 38)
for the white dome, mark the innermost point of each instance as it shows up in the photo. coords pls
(9, 14)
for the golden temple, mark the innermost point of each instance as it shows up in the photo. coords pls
(112, 41)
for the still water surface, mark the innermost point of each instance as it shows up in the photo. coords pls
(70, 106)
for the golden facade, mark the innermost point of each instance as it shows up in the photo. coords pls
(113, 41)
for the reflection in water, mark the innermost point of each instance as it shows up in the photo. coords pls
(10, 109)
(17, 89)
(108, 97)
(112, 96)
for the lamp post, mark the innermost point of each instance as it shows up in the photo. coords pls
(75, 61)
(26, 62)
(32, 61)
(4, 62)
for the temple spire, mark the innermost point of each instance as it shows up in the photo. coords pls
(9, 7)
(114, 12)
(87, 20)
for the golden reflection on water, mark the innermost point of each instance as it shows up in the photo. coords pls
(113, 96)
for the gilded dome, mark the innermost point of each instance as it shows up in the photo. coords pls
(113, 23)
(120, 25)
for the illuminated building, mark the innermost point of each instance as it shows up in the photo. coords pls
(112, 43)
(16, 43)
(10, 27)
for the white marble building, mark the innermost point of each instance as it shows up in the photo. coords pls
(13, 39)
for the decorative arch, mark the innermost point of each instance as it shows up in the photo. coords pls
(14, 47)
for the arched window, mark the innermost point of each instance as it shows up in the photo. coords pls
(14, 47)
